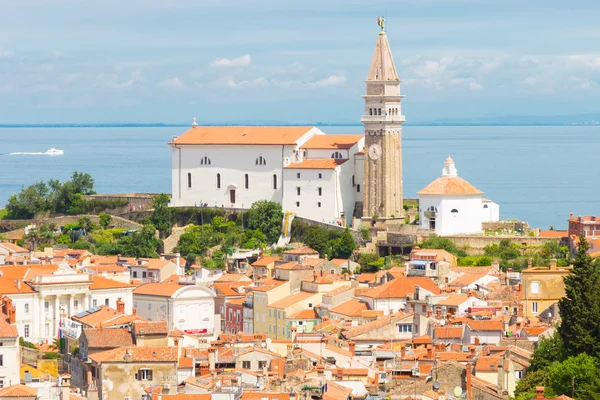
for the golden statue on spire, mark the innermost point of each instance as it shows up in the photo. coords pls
(381, 23)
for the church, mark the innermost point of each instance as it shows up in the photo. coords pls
(327, 178)
(337, 179)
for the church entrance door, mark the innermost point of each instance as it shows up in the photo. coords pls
(232, 196)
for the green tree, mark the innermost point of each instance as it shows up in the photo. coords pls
(104, 220)
(254, 239)
(28, 201)
(197, 239)
(161, 215)
(343, 246)
(506, 250)
(317, 238)
(141, 243)
(266, 216)
(525, 389)
(577, 374)
(580, 308)
(437, 242)
(549, 350)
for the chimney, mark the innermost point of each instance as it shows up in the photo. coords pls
(325, 318)
(180, 271)
(293, 330)
(352, 348)
(290, 351)
(501, 378)
(12, 315)
(188, 352)
(402, 351)
(468, 381)
(133, 311)
(529, 263)
(320, 370)
(429, 352)
(472, 352)
(162, 256)
(553, 264)
(476, 341)
(176, 344)
(570, 215)
(429, 314)
(340, 374)
(540, 390)
(128, 357)
(121, 306)
(65, 387)
(204, 368)
(211, 359)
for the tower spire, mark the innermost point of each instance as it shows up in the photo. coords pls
(382, 64)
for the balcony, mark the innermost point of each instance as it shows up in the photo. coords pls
(247, 305)
(383, 118)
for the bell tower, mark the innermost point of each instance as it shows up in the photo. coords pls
(383, 135)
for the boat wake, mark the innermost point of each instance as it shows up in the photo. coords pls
(49, 152)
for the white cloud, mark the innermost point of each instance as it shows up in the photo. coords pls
(58, 53)
(115, 83)
(172, 83)
(242, 61)
(475, 86)
(331, 81)
(258, 82)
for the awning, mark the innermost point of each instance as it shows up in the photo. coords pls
(422, 263)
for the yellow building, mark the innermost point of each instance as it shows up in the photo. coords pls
(277, 312)
(542, 287)
(266, 292)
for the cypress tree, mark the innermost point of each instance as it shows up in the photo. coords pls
(580, 308)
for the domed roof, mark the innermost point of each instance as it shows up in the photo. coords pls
(450, 185)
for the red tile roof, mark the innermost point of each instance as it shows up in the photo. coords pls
(450, 185)
(138, 354)
(325, 163)
(302, 250)
(332, 141)
(107, 337)
(350, 308)
(18, 391)
(245, 135)
(449, 332)
(401, 287)
(150, 328)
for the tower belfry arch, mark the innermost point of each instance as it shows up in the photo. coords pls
(382, 119)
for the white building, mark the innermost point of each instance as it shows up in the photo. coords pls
(189, 308)
(311, 174)
(450, 205)
(9, 345)
(44, 296)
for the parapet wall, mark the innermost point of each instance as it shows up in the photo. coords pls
(522, 226)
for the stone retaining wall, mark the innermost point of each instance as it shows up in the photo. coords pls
(505, 226)
(138, 200)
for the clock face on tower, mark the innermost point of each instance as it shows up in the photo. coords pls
(374, 151)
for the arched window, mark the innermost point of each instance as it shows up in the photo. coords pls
(454, 211)
(357, 188)
(336, 155)
(370, 111)
(246, 181)
(275, 181)
(189, 180)
(379, 111)
(205, 161)
(218, 181)
(485, 206)
(261, 161)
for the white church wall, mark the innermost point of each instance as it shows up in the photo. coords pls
(306, 204)
(346, 190)
(491, 213)
(231, 163)
(466, 220)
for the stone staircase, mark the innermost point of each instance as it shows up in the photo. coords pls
(171, 242)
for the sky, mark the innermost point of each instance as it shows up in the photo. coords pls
(294, 61)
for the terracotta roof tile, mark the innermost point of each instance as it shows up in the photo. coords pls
(186, 362)
(350, 308)
(318, 163)
(7, 330)
(13, 248)
(448, 332)
(100, 283)
(305, 314)
(302, 250)
(467, 279)
(107, 337)
(265, 261)
(247, 135)
(18, 391)
(453, 300)
(332, 141)
(401, 287)
(291, 300)
(150, 327)
(485, 325)
(450, 185)
(138, 354)
(293, 266)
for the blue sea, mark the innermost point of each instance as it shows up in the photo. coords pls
(536, 174)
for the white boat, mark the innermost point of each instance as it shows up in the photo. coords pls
(55, 152)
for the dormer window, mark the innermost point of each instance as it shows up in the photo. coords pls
(205, 161)
(261, 161)
(337, 155)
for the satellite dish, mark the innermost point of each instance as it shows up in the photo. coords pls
(443, 322)
(436, 385)
(272, 349)
(347, 364)
(458, 391)
(263, 345)
(269, 340)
